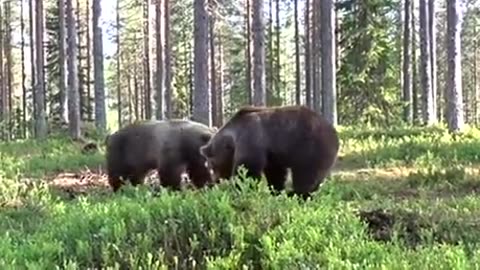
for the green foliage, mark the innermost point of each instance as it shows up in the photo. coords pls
(430, 212)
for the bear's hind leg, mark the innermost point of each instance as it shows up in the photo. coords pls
(115, 182)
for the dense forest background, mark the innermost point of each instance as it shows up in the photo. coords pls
(65, 65)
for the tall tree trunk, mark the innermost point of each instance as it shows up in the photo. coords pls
(146, 60)
(32, 57)
(2, 75)
(317, 92)
(297, 57)
(89, 66)
(159, 59)
(278, 78)
(475, 73)
(201, 95)
(248, 56)
(432, 33)
(429, 115)
(73, 94)
(270, 73)
(258, 31)
(9, 68)
(415, 105)
(40, 117)
(308, 63)
(213, 76)
(407, 84)
(135, 90)
(61, 62)
(220, 81)
(24, 88)
(455, 118)
(81, 93)
(119, 92)
(168, 65)
(99, 84)
(329, 99)
(129, 90)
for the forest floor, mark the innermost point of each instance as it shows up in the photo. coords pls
(396, 198)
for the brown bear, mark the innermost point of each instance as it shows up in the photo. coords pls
(271, 140)
(169, 146)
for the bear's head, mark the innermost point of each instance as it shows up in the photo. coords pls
(219, 154)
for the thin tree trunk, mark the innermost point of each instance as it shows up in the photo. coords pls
(32, 56)
(168, 65)
(429, 116)
(99, 85)
(317, 96)
(119, 93)
(2, 75)
(8, 55)
(432, 32)
(24, 88)
(297, 57)
(415, 105)
(269, 83)
(81, 94)
(89, 66)
(159, 59)
(407, 84)
(190, 78)
(201, 95)
(61, 63)
(329, 99)
(248, 56)
(220, 81)
(40, 117)
(146, 60)
(475, 74)
(135, 90)
(73, 94)
(213, 75)
(455, 118)
(278, 78)
(308, 63)
(129, 90)
(258, 31)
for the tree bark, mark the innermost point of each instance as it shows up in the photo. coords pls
(73, 94)
(146, 60)
(61, 62)
(258, 31)
(429, 115)
(432, 32)
(159, 59)
(454, 100)
(248, 56)
(415, 106)
(40, 117)
(220, 81)
(213, 76)
(9, 68)
(329, 100)
(89, 66)
(407, 84)
(24, 88)
(278, 79)
(308, 63)
(2, 73)
(99, 84)
(201, 95)
(298, 93)
(119, 92)
(168, 65)
(316, 41)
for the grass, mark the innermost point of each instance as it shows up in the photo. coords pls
(397, 199)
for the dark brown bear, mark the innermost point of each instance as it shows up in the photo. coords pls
(271, 140)
(168, 146)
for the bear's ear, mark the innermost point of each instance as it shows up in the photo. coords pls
(206, 151)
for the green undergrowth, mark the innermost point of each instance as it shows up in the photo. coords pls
(413, 204)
